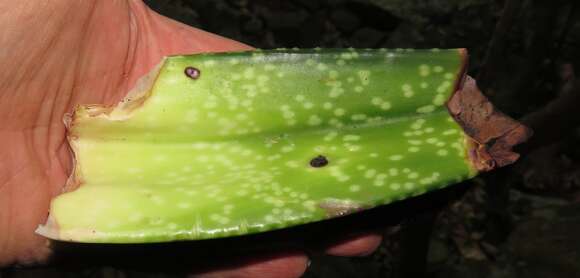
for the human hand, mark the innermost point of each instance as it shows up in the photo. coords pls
(57, 54)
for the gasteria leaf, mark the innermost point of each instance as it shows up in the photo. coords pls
(217, 145)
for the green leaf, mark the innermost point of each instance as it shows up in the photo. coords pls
(248, 142)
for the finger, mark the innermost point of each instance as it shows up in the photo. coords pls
(157, 36)
(179, 38)
(186, 39)
(356, 245)
(287, 265)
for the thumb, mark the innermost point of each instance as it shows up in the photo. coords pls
(158, 36)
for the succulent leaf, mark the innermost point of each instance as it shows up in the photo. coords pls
(216, 145)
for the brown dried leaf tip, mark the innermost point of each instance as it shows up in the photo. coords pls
(492, 134)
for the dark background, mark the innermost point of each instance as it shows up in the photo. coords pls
(520, 221)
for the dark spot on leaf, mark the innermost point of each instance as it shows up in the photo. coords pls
(319, 161)
(192, 72)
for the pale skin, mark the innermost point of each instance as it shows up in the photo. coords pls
(56, 54)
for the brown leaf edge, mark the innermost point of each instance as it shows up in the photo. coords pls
(491, 134)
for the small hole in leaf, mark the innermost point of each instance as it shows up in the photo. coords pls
(192, 72)
(319, 161)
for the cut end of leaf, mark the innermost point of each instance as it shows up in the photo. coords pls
(49, 229)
